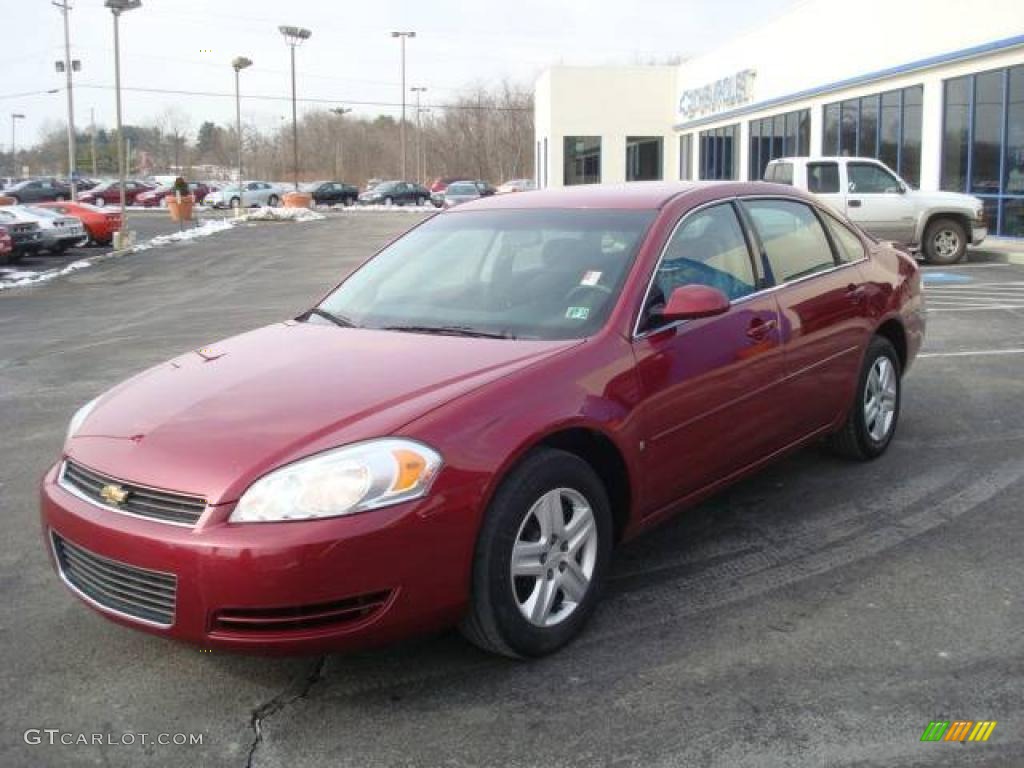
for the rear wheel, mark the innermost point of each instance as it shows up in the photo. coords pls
(389, 201)
(421, 201)
(945, 241)
(235, 202)
(100, 202)
(541, 558)
(871, 423)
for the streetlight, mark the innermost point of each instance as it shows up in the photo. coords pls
(294, 37)
(117, 7)
(65, 7)
(15, 116)
(238, 64)
(423, 147)
(401, 128)
(339, 159)
(420, 171)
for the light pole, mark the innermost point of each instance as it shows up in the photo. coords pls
(423, 147)
(65, 7)
(420, 171)
(15, 117)
(117, 7)
(403, 36)
(339, 158)
(239, 63)
(294, 37)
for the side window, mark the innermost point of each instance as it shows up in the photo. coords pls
(781, 173)
(708, 248)
(793, 240)
(848, 244)
(869, 179)
(823, 178)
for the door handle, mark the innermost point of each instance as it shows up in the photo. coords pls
(759, 329)
(853, 203)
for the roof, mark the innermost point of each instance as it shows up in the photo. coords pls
(634, 195)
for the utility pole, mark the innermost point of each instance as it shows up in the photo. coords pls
(420, 171)
(15, 117)
(239, 63)
(403, 36)
(294, 37)
(65, 6)
(92, 139)
(339, 158)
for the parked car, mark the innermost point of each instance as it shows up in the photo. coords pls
(100, 224)
(396, 193)
(109, 193)
(26, 239)
(38, 190)
(158, 197)
(254, 193)
(59, 231)
(6, 245)
(516, 185)
(461, 192)
(440, 184)
(335, 193)
(939, 224)
(462, 430)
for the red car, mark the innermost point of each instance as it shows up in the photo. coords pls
(440, 184)
(464, 428)
(6, 245)
(101, 225)
(109, 192)
(158, 196)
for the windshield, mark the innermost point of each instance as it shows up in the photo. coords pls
(540, 274)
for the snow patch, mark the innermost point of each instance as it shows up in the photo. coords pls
(267, 213)
(207, 228)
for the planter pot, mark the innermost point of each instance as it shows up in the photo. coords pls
(180, 211)
(5, 200)
(298, 200)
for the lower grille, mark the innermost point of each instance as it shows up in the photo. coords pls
(138, 500)
(346, 611)
(118, 587)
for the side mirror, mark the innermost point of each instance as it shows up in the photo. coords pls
(690, 302)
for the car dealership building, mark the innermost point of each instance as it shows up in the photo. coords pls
(933, 88)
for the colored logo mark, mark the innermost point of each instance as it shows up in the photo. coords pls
(958, 730)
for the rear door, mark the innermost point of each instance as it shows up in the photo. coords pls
(823, 312)
(710, 386)
(877, 201)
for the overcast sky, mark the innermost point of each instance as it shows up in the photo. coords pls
(188, 45)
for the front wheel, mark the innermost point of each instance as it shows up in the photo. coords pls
(541, 558)
(871, 423)
(421, 201)
(945, 242)
(100, 202)
(272, 201)
(235, 203)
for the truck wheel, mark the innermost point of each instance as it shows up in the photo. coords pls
(945, 242)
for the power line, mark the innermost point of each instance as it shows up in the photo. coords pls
(30, 93)
(311, 100)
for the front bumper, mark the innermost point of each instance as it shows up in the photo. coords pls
(414, 559)
(978, 233)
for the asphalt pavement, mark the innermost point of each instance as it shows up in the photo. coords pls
(821, 613)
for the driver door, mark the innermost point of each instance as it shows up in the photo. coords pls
(878, 202)
(710, 387)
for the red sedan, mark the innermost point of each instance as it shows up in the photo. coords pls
(464, 428)
(109, 192)
(158, 196)
(101, 225)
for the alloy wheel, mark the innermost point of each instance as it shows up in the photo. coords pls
(946, 242)
(880, 399)
(553, 557)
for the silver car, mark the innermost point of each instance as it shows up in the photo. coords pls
(59, 231)
(461, 192)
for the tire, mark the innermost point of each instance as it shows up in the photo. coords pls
(945, 242)
(348, 202)
(163, 202)
(389, 201)
(235, 203)
(99, 202)
(497, 620)
(861, 437)
(272, 201)
(60, 199)
(16, 199)
(421, 201)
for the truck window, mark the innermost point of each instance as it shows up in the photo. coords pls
(823, 178)
(780, 173)
(868, 179)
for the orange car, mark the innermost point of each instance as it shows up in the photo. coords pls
(101, 225)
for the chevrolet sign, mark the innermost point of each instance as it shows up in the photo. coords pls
(728, 92)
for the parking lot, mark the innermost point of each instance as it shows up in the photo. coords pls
(818, 614)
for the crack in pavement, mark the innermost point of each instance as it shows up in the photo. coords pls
(288, 696)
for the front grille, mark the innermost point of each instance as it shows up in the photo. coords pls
(165, 506)
(116, 586)
(294, 618)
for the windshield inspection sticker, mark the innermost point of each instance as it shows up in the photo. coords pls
(577, 313)
(591, 278)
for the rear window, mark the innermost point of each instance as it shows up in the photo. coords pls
(780, 173)
(823, 178)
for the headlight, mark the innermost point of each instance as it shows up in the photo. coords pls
(80, 416)
(342, 481)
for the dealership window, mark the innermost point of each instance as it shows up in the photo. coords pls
(582, 160)
(686, 157)
(885, 125)
(643, 158)
(787, 135)
(719, 152)
(983, 144)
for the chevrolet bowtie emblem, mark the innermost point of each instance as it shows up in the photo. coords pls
(113, 494)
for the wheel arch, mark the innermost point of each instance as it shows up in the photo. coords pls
(931, 217)
(893, 330)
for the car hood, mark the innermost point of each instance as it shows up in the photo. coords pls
(211, 421)
(949, 199)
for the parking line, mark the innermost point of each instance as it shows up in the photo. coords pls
(975, 308)
(974, 352)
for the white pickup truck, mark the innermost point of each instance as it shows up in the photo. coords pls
(938, 224)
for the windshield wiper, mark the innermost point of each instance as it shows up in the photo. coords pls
(340, 320)
(448, 330)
